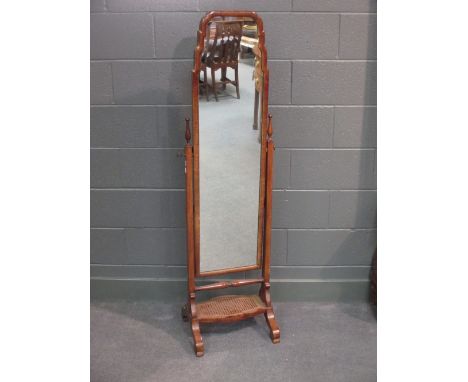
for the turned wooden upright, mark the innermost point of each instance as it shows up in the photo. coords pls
(228, 308)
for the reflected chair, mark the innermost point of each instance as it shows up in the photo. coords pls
(222, 52)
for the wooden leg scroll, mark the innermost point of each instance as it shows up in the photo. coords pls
(189, 313)
(197, 338)
(269, 314)
(274, 328)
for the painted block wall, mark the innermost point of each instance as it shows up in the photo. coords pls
(322, 58)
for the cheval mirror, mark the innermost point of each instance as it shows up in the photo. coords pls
(228, 169)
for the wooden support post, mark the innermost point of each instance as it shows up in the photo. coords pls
(265, 289)
(228, 284)
(190, 309)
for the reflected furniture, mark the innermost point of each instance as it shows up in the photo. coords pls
(249, 38)
(229, 178)
(222, 52)
(252, 44)
(258, 78)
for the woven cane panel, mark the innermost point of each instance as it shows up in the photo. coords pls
(223, 306)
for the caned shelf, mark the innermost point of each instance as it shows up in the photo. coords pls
(229, 308)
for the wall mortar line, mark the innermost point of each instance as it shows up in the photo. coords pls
(319, 228)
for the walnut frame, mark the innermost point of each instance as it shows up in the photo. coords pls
(201, 35)
(263, 303)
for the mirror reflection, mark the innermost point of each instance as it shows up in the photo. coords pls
(229, 144)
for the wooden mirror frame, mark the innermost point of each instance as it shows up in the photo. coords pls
(201, 36)
(228, 308)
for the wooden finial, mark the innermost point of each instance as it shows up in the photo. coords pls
(188, 136)
(270, 126)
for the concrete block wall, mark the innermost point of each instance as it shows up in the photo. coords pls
(322, 57)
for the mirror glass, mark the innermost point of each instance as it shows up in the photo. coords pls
(230, 86)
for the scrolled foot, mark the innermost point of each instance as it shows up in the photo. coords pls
(199, 349)
(274, 328)
(197, 339)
